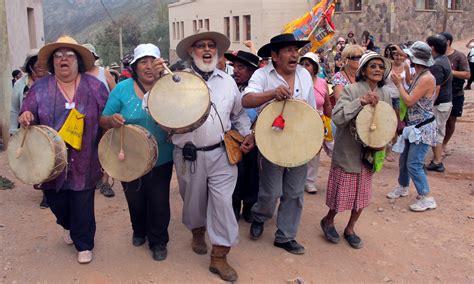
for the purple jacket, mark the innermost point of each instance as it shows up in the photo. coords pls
(47, 104)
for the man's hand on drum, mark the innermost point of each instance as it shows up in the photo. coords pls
(117, 120)
(282, 93)
(248, 143)
(158, 67)
(370, 99)
(26, 118)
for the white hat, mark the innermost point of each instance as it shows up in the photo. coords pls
(145, 49)
(311, 56)
(369, 55)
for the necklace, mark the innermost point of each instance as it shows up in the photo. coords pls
(65, 94)
(347, 76)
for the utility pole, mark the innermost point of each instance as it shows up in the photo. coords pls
(5, 82)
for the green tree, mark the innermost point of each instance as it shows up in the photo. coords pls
(159, 34)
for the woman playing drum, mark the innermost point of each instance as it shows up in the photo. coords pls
(50, 102)
(350, 180)
(147, 196)
(420, 132)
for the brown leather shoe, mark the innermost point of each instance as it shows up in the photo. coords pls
(219, 264)
(199, 241)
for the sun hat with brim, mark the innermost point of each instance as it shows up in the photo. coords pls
(66, 42)
(145, 49)
(222, 42)
(280, 41)
(311, 56)
(92, 49)
(420, 53)
(32, 53)
(243, 56)
(366, 57)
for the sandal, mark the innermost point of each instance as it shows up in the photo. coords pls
(353, 240)
(106, 190)
(330, 232)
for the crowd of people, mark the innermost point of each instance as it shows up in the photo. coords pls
(422, 81)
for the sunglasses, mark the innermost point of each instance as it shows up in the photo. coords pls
(202, 45)
(355, 58)
(374, 66)
(67, 54)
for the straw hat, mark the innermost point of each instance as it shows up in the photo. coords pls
(222, 42)
(68, 42)
(366, 57)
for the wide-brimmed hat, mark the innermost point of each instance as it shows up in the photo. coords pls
(366, 57)
(244, 56)
(280, 41)
(420, 53)
(145, 49)
(91, 49)
(114, 65)
(222, 42)
(311, 56)
(66, 42)
(32, 53)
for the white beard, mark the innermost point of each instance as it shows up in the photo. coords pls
(205, 67)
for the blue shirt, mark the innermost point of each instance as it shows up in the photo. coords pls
(124, 100)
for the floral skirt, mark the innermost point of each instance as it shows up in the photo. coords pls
(349, 191)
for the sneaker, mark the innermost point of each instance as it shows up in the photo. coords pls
(84, 256)
(44, 203)
(423, 203)
(399, 191)
(67, 237)
(106, 190)
(436, 167)
(310, 188)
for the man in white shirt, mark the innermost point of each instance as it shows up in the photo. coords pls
(206, 183)
(281, 79)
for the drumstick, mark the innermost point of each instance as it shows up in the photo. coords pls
(19, 151)
(175, 77)
(121, 155)
(372, 123)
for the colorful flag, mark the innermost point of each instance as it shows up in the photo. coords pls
(321, 33)
(303, 27)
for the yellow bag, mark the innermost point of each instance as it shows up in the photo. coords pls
(232, 141)
(327, 128)
(72, 129)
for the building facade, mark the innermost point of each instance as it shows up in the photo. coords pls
(259, 20)
(25, 28)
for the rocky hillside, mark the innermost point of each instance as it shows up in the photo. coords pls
(83, 19)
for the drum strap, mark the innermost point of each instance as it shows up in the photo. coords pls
(220, 120)
(140, 86)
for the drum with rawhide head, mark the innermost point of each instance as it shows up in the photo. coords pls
(375, 126)
(128, 152)
(300, 139)
(37, 154)
(179, 106)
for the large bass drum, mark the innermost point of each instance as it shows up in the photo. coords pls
(140, 152)
(37, 154)
(298, 142)
(179, 107)
(376, 126)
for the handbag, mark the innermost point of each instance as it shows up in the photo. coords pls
(232, 141)
(72, 129)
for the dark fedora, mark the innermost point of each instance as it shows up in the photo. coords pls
(246, 57)
(280, 41)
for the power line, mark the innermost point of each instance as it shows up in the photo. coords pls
(107, 11)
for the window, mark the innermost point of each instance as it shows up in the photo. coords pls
(31, 27)
(454, 5)
(247, 26)
(236, 22)
(177, 31)
(200, 24)
(338, 6)
(227, 26)
(182, 29)
(355, 5)
(425, 4)
(195, 26)
(206, 24)
(174, 30)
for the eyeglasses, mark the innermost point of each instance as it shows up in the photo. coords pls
(374, 65)
(355, 57)
(67, 54)
(202, 45)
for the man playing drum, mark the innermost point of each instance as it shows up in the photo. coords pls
(281, 79)
(206, 178)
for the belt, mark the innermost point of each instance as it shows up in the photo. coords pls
(212, 147)
(429, 120)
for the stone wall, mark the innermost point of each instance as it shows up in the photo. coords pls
(398, 21)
